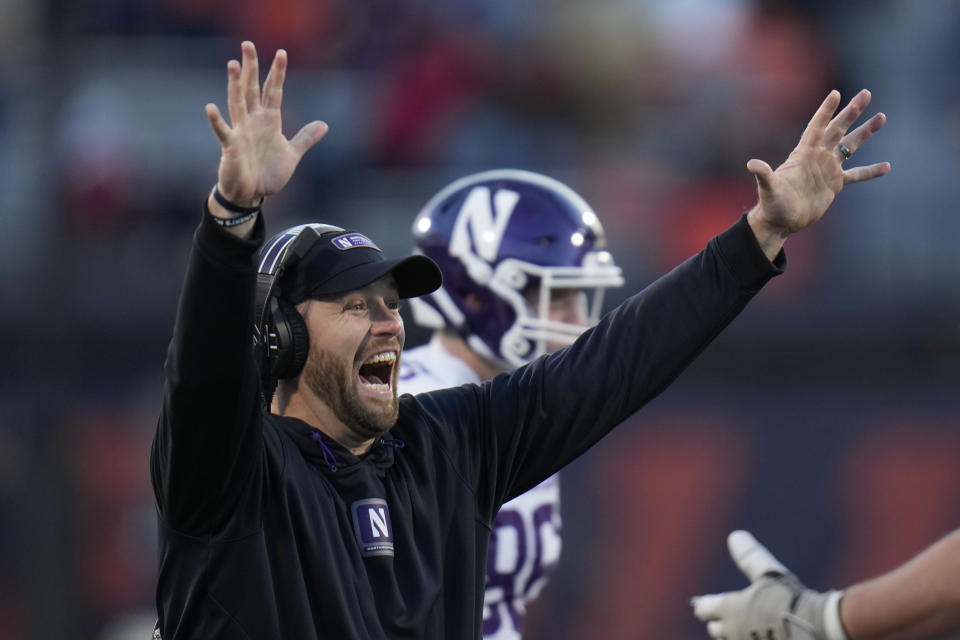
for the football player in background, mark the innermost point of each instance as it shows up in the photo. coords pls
(919, 599)
(524, 273)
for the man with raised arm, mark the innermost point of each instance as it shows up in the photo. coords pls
(350, 512)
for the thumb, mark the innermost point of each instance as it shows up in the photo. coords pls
(761, 171)
(751, 557)
(308, 136)
(220, 127)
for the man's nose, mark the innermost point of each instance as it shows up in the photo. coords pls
(385, 320)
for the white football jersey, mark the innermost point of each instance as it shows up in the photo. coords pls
(525, 541)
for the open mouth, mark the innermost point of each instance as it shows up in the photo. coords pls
(376, 372)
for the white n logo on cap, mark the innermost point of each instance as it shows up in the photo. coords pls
(353, 241)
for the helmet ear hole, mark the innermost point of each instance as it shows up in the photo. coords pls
(473, 301)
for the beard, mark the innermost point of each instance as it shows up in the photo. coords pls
(329, 377)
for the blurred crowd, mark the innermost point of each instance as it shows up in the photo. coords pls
(649, 109)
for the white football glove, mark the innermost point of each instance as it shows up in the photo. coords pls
(776, 605)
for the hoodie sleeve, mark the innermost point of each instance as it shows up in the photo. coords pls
(525, 425)
(208, 437)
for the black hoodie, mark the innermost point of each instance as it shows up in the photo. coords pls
(270, 530)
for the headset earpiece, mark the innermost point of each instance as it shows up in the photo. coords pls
(292, 340)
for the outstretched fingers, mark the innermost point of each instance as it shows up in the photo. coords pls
(250, 76)
(818, 123)
(236, 104)
(869, 172)
(257, 159)
(708, 607)
(308, 136)
(838, 126)
(273, 85)
(762, 171)
(217, 123)
(824, 128)
(856, 138)
(751, 557)
(711, 609)
(715, 629)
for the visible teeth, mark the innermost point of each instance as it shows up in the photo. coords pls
(378, 367)
(387, 357)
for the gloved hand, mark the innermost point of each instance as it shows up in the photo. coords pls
(776, 605)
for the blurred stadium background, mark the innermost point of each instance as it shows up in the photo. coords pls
(824, 420)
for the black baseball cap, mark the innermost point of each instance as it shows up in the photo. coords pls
(324, 260)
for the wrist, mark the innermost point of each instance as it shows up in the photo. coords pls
(236, 206)
(770, 238)
(230, 216)
(822, 612)
(832, 622)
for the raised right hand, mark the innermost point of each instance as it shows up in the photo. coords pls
(256, 159)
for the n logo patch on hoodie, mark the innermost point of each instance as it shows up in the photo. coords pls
(371, 523)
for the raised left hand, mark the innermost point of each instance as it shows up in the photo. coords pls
(800, 190)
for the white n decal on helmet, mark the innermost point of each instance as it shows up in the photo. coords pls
(484, 225)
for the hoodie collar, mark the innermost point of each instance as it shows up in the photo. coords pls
(331, 456)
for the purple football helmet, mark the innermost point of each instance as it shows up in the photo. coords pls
(498, 236)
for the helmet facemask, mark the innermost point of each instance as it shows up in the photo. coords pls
(534, 290)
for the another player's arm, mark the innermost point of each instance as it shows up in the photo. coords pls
(919, 599)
